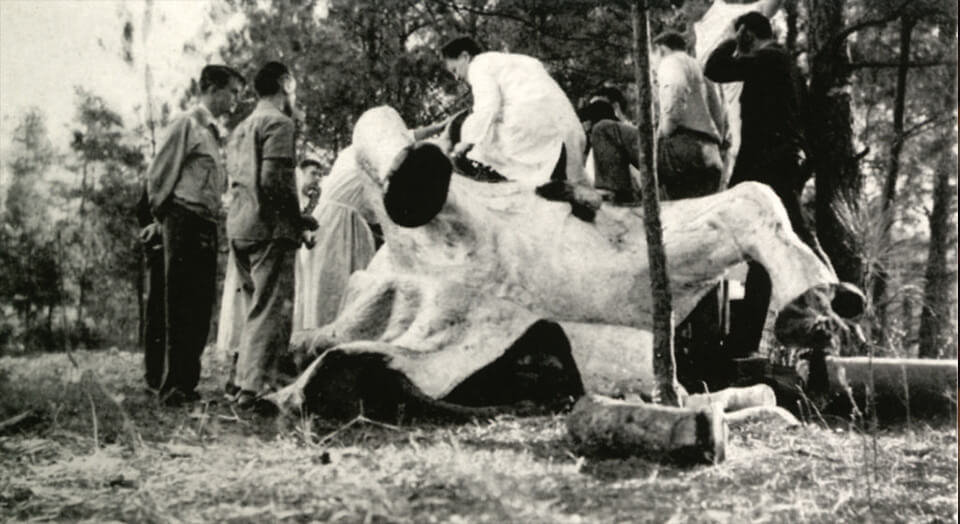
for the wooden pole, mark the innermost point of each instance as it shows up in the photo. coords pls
(664, 365)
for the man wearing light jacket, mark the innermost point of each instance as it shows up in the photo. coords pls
(265, 226)
(185, 183)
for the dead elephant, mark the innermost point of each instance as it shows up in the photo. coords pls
(487, 295)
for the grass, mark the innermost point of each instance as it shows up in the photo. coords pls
(146, 463)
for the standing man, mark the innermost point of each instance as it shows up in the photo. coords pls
(772, 146)
(690, 125)
(185, 182)
(265, 226)
(688, 146)
(521, 118)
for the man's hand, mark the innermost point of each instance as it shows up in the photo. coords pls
(308, 240)
(151, 235)
(745, 41)
(308, 223)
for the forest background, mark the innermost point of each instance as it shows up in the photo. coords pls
(882, 124)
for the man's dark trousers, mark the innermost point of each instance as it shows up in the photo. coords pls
(190, 263)
(154, 326)
(689, 166)
(784, 173)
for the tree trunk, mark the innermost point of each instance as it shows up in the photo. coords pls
(664, 363)
(141, 306)
(897, 383)
(82, 278)
(881, 274)
(791, 8)
(830, 136)
(151, 128)
(936, 290)
(148, 75)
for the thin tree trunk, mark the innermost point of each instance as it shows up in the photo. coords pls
(65, 325)
(791, 8)
(151, 127)
(935, 310)
(664, 365)
(881, 275)
(141, 306)
(148, 74)
(81, 296)
(50, 322)
(838, 180)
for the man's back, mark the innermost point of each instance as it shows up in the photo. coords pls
(520, 119)
(684, 96)
(258, 207)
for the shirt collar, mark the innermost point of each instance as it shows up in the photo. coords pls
(268, 107)
(205, 118)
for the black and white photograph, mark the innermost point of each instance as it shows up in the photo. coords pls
(479, 261)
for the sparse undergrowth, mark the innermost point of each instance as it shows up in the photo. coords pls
(209, 464)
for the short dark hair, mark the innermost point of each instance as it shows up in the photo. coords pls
(307, 162)
(612, 94)
(267, 81)
(671, 40)
(455, 47)
(756, 23)
(596, 111)
(218, 77)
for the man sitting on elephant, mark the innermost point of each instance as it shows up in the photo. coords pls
(521, 119)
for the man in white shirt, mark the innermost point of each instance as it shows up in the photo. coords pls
(690, 131)
(521, 118)
(691, 123)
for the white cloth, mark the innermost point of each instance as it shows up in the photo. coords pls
(344, 243)
(520, 119)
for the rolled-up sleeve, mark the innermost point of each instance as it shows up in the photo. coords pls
(722, 67)
(277, 178)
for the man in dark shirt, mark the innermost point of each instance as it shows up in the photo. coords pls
(772, 145)
(185, 183)
(265, 226)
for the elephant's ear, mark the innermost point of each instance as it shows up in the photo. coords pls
(417, 184)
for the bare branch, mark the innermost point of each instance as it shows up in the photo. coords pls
(593, 40)
(907, 133)
(913, 64)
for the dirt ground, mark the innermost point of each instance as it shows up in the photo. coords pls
(92, 446)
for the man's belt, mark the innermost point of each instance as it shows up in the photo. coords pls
(700, 135)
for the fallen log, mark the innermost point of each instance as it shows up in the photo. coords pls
(734, 399)
(765, 414)
(926, 386)
(604, 427)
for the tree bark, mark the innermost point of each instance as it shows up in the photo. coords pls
(881, 275)
(82, 278)
(664, 362)
(897, 383)
(935, 310)
(604, 427)
(830, 136)
(791, 8)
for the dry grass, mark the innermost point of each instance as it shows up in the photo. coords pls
(211, 465)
